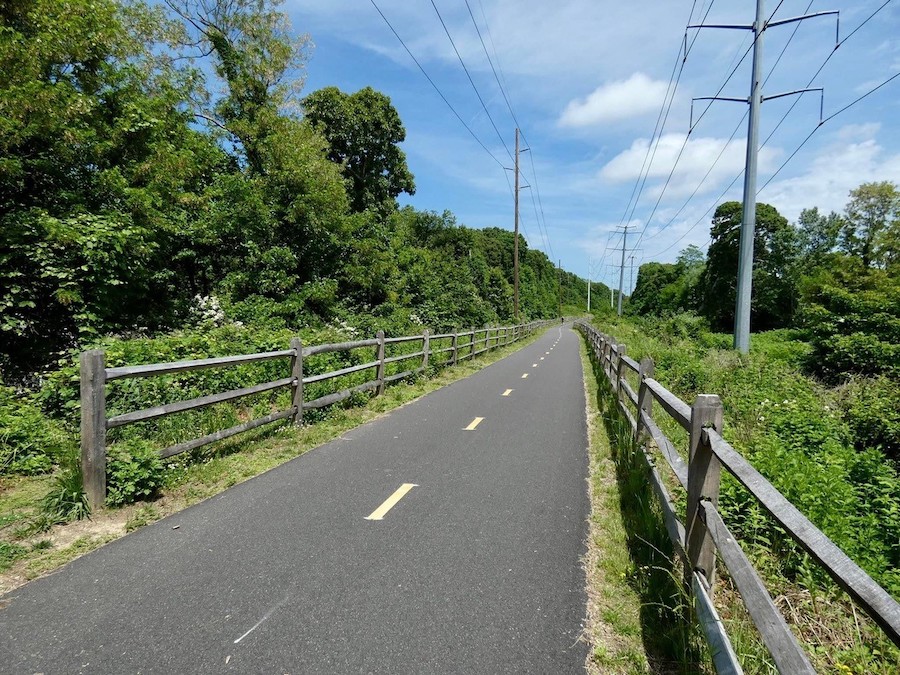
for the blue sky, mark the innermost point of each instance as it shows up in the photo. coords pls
(587, 80)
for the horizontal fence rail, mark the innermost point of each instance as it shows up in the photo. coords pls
(706, 535)
(95, 376)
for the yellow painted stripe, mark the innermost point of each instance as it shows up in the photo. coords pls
(524, 375)
(475, 423)
(534, 365)
(390, 502)
(507, 392)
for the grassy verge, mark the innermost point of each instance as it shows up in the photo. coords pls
(636, 583)
(26, 553)
(614, 606)
(785, 424)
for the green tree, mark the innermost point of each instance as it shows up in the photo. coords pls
(364, 132)
(772, 301)
(97, 165)
(817, 235)
(259, 60)
(871, 222)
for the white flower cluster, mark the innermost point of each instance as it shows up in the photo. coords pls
(207, 309)
(346, 328)
(415, 319)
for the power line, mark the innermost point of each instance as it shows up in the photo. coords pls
(661, 119)
(827, 119)
(471, 81)
(542, 226)
(684, 145)
(780, 122)
(727, 143)
(494, 70)
(436, 88)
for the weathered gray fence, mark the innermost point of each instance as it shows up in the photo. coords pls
(95, 376)
(706, 533)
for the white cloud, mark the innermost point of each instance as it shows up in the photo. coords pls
(614, 101)
(850, 157)
(694, 162)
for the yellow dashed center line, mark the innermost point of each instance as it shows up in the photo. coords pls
(524, 375)
(390, 502)
(474, 423)
(507, 392)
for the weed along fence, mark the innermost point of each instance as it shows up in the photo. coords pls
(706, 534)
(444, 349)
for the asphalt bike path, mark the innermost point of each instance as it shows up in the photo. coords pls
(427, 540)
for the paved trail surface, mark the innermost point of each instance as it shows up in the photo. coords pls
(473, 567)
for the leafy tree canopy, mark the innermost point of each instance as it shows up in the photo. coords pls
(363, 132)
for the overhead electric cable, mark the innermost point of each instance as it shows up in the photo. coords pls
(471, 81)
(823, 122)
(725, 146)
(490, 61)
(688, 135)
(662, 117)
(436, 88)
(781, 121)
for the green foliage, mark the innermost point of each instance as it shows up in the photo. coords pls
(663, 289)
(66, 500)
(364, 132)
(9, 553)
(134, 472)
(793, 431)
(871, 407)
(870, 229)
(29, 443)
(853, 321)
(773, 300)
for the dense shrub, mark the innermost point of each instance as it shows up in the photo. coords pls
(871, 407)
(134, 471)
(819, 447)
(853, 325)
(29, 442)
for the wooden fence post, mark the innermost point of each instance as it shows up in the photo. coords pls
(297, 386)
(380, 371)
(645, 398)
(425, 349)
(703, 484)
(93, 427)
(619, 363)
(455, 346)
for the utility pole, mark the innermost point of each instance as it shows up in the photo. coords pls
(622, 269)
(748, 216)
(559, 284)
(631, 285)
(589, 285)
(516, 242)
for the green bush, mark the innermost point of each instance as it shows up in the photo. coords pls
(134, 471)
(871, 407)
(30, 443)
(817, 446)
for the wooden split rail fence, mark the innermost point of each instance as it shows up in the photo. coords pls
(705, 534)
(95, 376)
